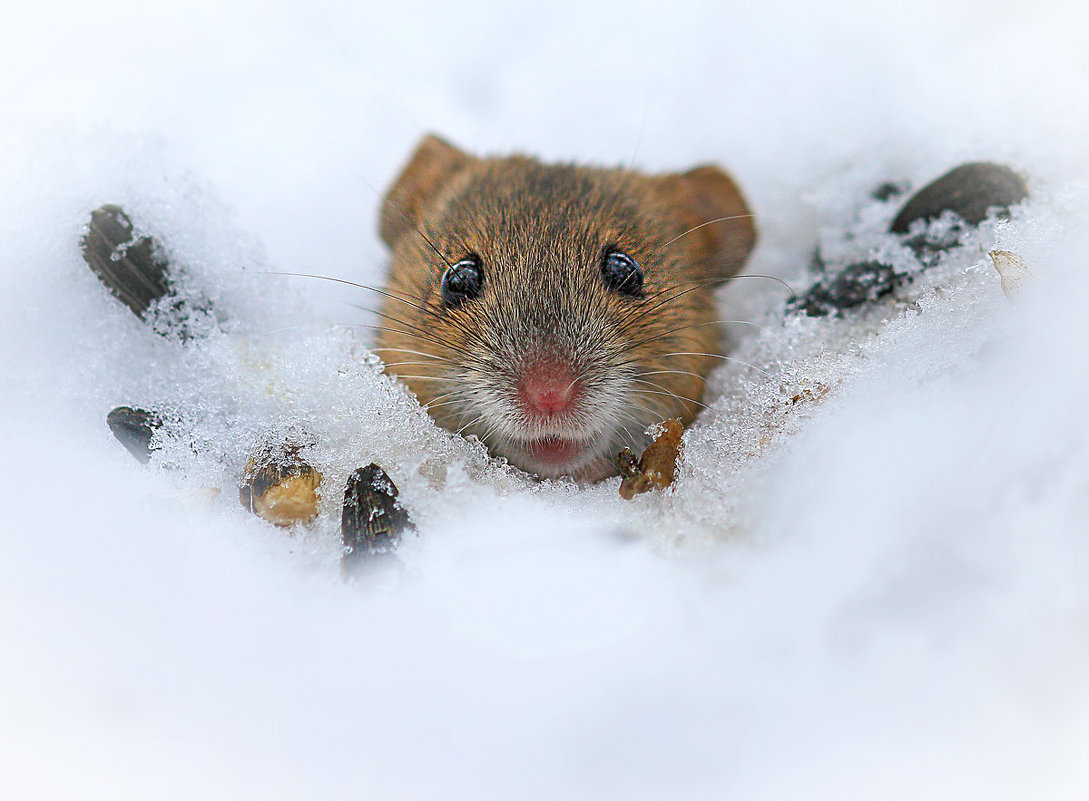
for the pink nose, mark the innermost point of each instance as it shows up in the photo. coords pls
(548, 386)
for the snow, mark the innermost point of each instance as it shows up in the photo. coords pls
(878, 590)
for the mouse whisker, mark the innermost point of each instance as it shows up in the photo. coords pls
(738, 322)
(680, 286)
(414, 352)
(440, 397)
(404, 364)
(705, 224)
(776, 279)
(680, 290)
(393, 319)
(404, 333)
(627, 322)
(384, 199)
(401, 297)
(412, 332)
(470, 331)
(628, 438)
(474, 421)
(683, 289)
(427, 407)
(640, 424)
(622, 438)
(271, 331)
(490, 433)
(386, 292)
(431, 245)
(425, 377)
(679, 398)
(639, 137)
(715, 356)
(654, 414)
(639, 438)
(664, 334)
(441, 400)
(387, 201)
(637, 362)
(669, 372)
(682, 399)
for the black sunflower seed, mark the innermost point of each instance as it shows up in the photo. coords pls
(137, 272)
(134, 428)
(372, 520)
(131, 267)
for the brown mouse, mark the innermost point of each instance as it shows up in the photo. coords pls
(553, 310)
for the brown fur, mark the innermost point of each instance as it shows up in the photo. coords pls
(541, 232)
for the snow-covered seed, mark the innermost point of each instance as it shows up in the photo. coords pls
(137, 272)
(134, 428)
(1013, 271)
(849, 288)
(372, 519)
(971, 191)
(657, 467)
(279, 486)
(131, 267)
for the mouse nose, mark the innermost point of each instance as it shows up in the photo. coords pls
(548, 386)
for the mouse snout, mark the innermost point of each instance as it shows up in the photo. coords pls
(547, 386)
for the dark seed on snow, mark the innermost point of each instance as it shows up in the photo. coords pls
(134, 428)
(852, 286)
(136, 272)
(130, 267)
(372, 519)
(970, 191)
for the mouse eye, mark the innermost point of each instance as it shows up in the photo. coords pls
(462, 281)
(622, 274)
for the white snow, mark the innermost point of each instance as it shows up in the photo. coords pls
(877, 590)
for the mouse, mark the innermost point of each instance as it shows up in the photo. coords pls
(556, 311)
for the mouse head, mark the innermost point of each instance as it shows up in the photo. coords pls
(556, 311)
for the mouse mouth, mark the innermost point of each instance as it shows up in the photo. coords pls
(554, 456)
(555, 450)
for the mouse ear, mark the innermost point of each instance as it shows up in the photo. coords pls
(717, 220)
(432, 165)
